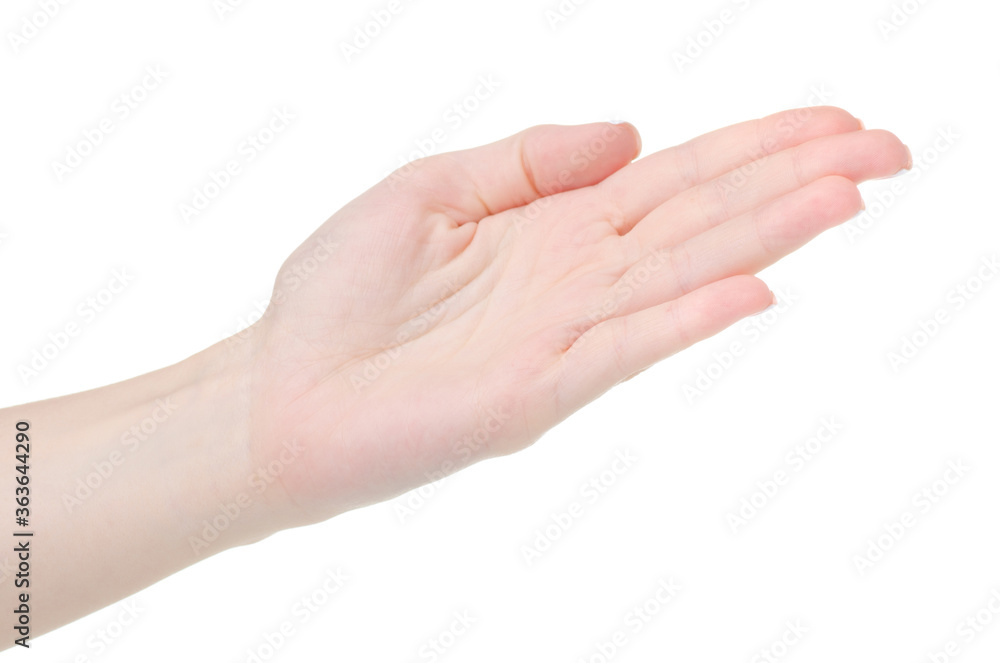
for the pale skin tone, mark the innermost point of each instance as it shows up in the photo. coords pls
(454, 312)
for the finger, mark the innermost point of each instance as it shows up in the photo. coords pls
(617, 349)
(518, 170)
(858, 156)
(638, 189)
(744, 245)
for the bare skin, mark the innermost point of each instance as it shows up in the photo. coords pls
(454, 312)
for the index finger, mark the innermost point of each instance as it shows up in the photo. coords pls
(640, 187)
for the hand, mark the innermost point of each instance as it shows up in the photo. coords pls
(471, 301)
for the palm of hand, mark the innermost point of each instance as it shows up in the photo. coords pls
(473, 300)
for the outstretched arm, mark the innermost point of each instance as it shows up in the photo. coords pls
(454, 312)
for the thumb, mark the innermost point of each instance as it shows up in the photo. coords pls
(518, 170)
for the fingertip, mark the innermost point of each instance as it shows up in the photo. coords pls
(636, 136)
(754, 295)
(893, 153)
(846, 190)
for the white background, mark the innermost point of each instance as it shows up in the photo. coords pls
(855, 297)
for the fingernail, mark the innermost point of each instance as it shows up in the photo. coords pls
(909, 159)
(899, 173)
(861, 123)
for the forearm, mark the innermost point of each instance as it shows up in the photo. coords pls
(133, 482)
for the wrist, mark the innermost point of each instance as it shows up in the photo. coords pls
(236, 497)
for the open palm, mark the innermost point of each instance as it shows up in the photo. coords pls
(471, 301)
